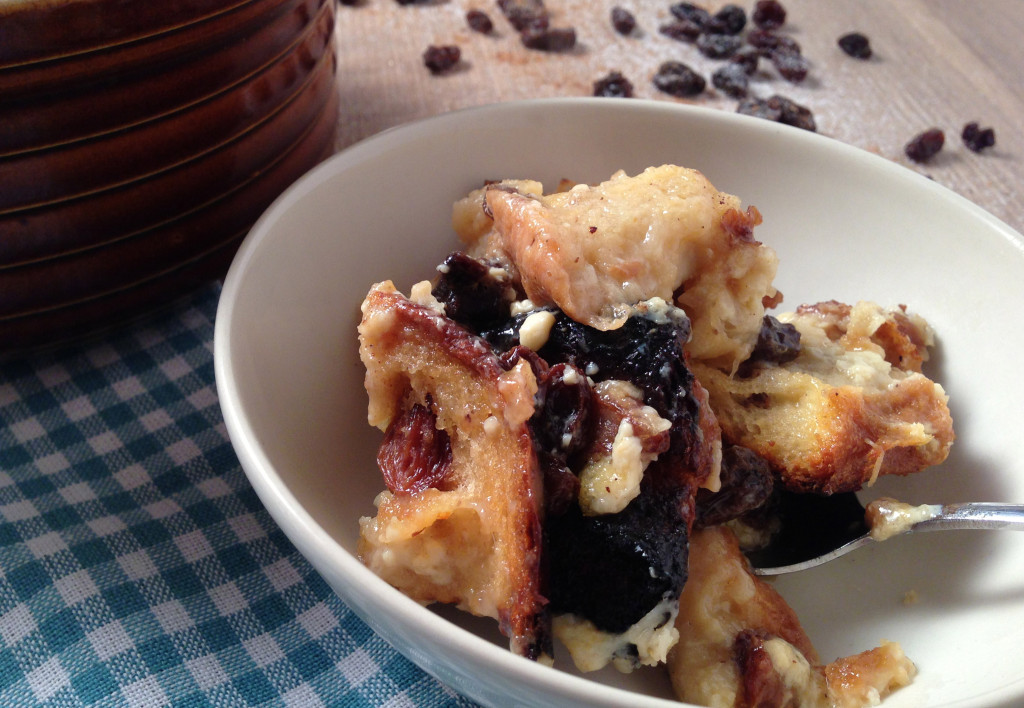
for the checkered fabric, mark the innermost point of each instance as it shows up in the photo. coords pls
(137, 565)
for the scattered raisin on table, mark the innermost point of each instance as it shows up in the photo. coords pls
(479, 21)
(441, 58)
(731, 79)
(747, 57)
(677, 79)
(623, 20)
(769, 14)
(976, 138)
(792, 67)
(856, 45)
(924, 146)
(690, 12)
(768, 42)
(521, 13)
(614, 85)
(681, 30)
(548, 39)
(731, 18)
(780, 109)
(718, 46)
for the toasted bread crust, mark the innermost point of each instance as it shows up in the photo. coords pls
(853, 406)
(477, 542)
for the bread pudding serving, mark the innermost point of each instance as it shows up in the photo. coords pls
(591, 407)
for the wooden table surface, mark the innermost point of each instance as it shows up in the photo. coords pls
(936, 63)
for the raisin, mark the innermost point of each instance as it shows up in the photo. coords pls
(768, 42)
(614, 85)
(780, 109)
(731, 79)
(856, 45)
(479, 21)
(768, 14)
(718, 46)
(681, 30)
(976, 138)
(548, 39)
(760, 108)
(414, 454)
(677, 79)
(792, 67)
(924, 146)
(562, 411)
(689, 12)
(748, 58)
(731, 18)
(747, 483)
(471, 296)
(521, 13)
(440, 59)
(623, 20)
(777, 343)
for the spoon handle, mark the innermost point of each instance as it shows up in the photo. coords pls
(975, 515)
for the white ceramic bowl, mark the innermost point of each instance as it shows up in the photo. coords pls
(846, 224)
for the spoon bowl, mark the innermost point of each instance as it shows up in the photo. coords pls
(816, 530)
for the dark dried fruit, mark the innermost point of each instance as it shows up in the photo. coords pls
(976, 138)
(681, 30)
(748, 58)
(691, 13)
(747, 483)
(780, 109)
(731, 79)
(924, 146)
(548, 39)
(614, 85)
(718, 46)
(613, 569)
(440, 59)
(623, 20)
(768, 42)
(792, 67)
(677, 79)
(731, 18)
(479, 21)
(856, 45)
(760, 108)
(563, 406)
(777, 342)
(521, 13)
(471, 296)
(768, 14)
(414, 454)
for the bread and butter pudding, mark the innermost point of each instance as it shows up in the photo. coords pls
(588, 399)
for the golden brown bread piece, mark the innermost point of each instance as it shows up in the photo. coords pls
(471, 534)
(740, 645)
(851, 407)
(595, 251)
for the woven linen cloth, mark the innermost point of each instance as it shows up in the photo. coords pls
(137, 565)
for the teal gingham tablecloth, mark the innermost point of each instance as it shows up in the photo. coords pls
(137, 565)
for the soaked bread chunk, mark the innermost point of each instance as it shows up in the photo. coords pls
(852, 404)
(596, 251)
(461, 522)
(740, 645)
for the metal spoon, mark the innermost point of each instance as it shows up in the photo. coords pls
(883, 519)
